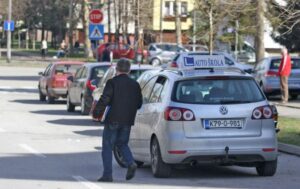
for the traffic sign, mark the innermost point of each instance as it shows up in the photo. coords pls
(9, 25)
(96, 31)
(96, 16)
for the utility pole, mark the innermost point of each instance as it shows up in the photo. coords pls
(9, 34)
(211, 30)
(259, 39)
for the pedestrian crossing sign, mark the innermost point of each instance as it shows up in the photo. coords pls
(96, 31)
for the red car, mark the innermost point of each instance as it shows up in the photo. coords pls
(53, 82)
(119, 51)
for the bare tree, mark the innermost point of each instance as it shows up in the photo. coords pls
(177, 23)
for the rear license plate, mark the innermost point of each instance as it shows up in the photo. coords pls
(223, 123)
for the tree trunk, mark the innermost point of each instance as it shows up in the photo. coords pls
(177, 23)
(211, 31)
(27, 38)
(87, 42)
(71, 26)
(259, 38)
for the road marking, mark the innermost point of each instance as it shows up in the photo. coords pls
(6, 87)
(86, 183)
(32, 150)
(2, 130)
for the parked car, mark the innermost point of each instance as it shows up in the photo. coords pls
(266, 74)
(53, 82)
(215, 115)
(135, 73)
(190, 47)
(83, 84)
(162, 53)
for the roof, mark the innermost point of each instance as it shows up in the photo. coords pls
(68, 62)
(94, 64)
(185, 74)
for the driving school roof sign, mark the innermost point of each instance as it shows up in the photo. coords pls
(201, 61)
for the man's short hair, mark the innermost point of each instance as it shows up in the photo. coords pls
(123, 65)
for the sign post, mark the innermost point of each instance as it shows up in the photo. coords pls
(96, 29)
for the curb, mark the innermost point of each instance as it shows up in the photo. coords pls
(286, 105)
(288, 148)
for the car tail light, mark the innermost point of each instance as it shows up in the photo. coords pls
(179, 114)
(269, 149)
(271, 74)
(263, 112)
(90, 85)
(174, 65)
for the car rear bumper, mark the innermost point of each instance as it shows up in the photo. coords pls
(57, 92)
(240, 150)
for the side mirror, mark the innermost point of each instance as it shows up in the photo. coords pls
(70, 78)
(41, 73)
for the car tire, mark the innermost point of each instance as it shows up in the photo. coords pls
(155, 62)
(84, 108)
(267, 168)
(159, 168)
(51, 100)
(294, 96)
(70, 106)
(42, 97)
(119, 157)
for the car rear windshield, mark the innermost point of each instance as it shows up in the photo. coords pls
(227, 90)
(98, 72)
(276, 62)
(66, 68)
(135, 74)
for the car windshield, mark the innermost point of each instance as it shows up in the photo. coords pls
(228, 90)
(98, 72)
(66, 68)
(135, 74)
(275, 63)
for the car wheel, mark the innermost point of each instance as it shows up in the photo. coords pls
(84, 108)
(294, 96)
(119, 157)
(41, 95)
(70, 106)
(155, 62)
(51, 100)
(159, 168)
(267, 168)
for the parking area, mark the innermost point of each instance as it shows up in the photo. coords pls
(44, 146)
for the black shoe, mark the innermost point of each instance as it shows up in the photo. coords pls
(131, 171)
(105, 179)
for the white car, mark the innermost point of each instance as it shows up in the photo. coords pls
(204, 115)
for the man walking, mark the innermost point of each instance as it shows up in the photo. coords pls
(284, 72)
(44, 48)
(123, 97)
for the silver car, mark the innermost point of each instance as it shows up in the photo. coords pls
(162, 53)
(213, 115)
(266, 74)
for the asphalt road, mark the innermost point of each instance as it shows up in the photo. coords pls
(43, 146)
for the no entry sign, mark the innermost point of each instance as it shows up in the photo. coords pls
(96, 16)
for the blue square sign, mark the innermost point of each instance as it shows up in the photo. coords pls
(9, 25)
(96, 31)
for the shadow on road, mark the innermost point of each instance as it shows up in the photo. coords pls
(55, 112)
(27, 101)
(74, 122)
(19, 78)
(19, 90)
(62, 167)
(93, 133)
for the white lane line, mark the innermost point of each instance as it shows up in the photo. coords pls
(29, 87)
(6, 87)
(32, 150)
(86, 183)
(2, 130)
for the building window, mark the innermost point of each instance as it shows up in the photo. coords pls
(169, 9)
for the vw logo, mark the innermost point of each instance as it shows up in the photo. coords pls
(223, 110)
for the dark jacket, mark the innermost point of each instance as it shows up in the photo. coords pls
(124, 97)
